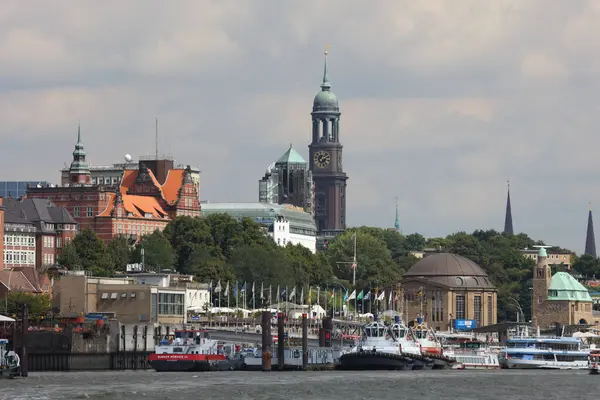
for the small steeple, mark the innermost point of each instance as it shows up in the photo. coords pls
(590, 239)
(508, 223)
(79, 170)
(326, 85)
(397, 222)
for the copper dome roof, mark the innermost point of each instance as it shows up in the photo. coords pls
(450, 270)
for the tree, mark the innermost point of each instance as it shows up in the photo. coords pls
(68, 256)
(38, 304)
(415, 242)
(261, 264)
(158, 253)
(184, 234)
(375, 265)
(588, 266)
(92, 253)
(120, 255)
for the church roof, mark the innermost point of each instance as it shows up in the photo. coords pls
(564, 287)
(291, 156)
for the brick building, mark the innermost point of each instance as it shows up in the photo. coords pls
(35, 231)
(558, 299)
(1, 234)
(138, 202)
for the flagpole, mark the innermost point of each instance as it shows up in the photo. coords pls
(253, 295)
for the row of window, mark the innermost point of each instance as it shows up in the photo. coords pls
(171, 304)
(49, 242)
(136, 229)
(19, 240)
(49, 259)
(21, 257)
(477, 309)
(79, 212)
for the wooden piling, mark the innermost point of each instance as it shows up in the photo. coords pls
(280, 341)
(24, 357)
(267, 341)
(304, 342)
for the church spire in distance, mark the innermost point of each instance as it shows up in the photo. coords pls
(326, 85)
(397, 222)
(590, 239)
(508, 223)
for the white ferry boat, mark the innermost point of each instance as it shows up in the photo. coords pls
(469, 352)
(544, 353)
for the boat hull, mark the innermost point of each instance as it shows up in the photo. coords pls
(192, 363)
(535, 364)
(366, 361)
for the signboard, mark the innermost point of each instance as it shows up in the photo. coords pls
(464, 324)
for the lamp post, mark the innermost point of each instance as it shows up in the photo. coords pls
(519, 307)
(7, 291)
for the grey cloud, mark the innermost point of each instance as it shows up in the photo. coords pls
(445, 99)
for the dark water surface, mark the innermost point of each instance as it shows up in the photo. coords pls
(421, 385)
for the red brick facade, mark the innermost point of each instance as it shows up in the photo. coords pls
(139, 206)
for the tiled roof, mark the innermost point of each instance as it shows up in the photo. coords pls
(564, 287)
(170, 189)
(35, 210)
(140, 205)
(18, 281)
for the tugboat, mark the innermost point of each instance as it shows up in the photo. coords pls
(378, 351)
(594, 362)
(431, 346)
(10, 364)
(193, 350)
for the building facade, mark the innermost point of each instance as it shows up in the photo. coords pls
(325, 162)
(558, 299)
(1, 234)
(17, 189)
(283, 222)
(35, 231)
(142, 200)
(553, 258)
(288, 181)
(447, 290)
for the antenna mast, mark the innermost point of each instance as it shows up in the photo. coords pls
(156, 136)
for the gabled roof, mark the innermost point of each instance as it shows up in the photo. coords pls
(291, 157)
(172, 185)
(564, 287)
(31, 210)
(18, 281)
(138, 206)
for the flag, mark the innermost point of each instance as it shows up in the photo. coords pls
(425, 297)
(210, 286)
(218, 287)
(262, 290)
(352, 295)
(332, 293)
(293, 294)
(252, 286)
(381, 296)
(396, 297)
(390, 299)
(270, 298)
(346, 296)
(244, 288)
(420, 292)
(283, 294)
(235, 290)
(227, 289)
(310, 297)
(368, 295)
(360, 296)
(302, 295)
(319, 295)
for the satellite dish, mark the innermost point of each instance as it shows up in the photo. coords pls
(127, 157)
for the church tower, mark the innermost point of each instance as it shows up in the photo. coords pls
(325, 163)
(542, 274)
(508, 223)
(590, 239)
(79, 172)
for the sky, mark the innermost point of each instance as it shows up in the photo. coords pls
(442, 101)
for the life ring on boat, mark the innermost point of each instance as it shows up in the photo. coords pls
(387, 336)
(430, 338)
(409, 337)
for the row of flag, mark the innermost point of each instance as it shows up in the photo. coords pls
(361, 296)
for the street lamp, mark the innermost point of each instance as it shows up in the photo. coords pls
(520, 309)
(7, 290)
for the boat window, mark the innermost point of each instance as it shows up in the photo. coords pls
(177, 350)
(381, 331)
(396, 331)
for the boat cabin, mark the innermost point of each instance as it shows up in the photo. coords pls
(375, 330)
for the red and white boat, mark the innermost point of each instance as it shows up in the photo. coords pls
(427, 338)
(194, 350)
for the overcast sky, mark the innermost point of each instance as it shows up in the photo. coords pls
(442, 101)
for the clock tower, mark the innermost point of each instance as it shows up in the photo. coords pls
(325, 162)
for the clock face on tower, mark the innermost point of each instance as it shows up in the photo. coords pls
(322, 159)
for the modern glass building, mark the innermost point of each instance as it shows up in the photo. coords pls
(16, 189)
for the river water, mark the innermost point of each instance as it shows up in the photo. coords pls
(331, 385)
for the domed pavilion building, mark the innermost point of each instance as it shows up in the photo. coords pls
(449, 290)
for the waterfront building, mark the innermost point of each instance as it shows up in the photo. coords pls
(145, 198)
(325, 162)
(134, 298)
(288, 181)
(448, 290)
(283, 222)
(558, 298)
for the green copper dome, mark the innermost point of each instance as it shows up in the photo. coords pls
(325, 100)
